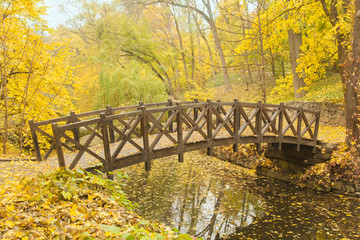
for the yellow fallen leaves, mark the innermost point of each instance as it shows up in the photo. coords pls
(71, 205)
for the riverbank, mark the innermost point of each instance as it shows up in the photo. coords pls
(334, 168)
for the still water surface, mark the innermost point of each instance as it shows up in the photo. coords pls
(212, 199)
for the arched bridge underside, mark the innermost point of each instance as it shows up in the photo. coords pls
(123, 136)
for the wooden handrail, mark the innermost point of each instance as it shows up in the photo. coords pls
(198, 125)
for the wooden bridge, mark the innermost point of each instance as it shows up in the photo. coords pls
(161, 129)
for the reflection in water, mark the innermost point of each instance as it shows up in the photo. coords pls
(209, 198)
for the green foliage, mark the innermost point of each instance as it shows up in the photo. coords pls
(129, 85)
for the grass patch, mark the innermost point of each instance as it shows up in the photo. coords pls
(328, 89)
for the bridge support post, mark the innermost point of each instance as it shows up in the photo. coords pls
(58, 145)
(171, 127)
(280, 126)
(108, 165)
(145, 136)
(35, 140)
(298, 131)
(196, 110)
(236, 125)
(180, 138)
(209, 125)
(219, 112)
(258, 123)
(111, 131)
(75, 131)
(316, 130)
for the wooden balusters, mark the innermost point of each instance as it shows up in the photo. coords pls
(209, 126)
(35, 140)
(58, 145)
(281, 122)
(179, 123)
(145, 138)
(108, 163)
(236, 125)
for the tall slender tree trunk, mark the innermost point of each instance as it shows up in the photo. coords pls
(182, 51)
(207, 46)
(295, 42)
(192, 48)
(352, 92)
(4, 95)
(262, 53)
(222, 57)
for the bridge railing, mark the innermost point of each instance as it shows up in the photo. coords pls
(42, 129)
(153, 131)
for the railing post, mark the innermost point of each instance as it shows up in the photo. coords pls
(111, 131)
(298, 132)
(179, 121)
(108, 164)
(75, 130)
(171, 126)
(236, 125)
(35, 140)
(280, 127)
(145, 137)
(210, 149)
(219, 112)
(316, 130)
(258, 125)
(196, 110)
(58, 145)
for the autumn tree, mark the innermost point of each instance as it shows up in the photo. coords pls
(205, 9)
(34, 75)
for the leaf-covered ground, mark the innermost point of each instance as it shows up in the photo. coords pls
(71, 205)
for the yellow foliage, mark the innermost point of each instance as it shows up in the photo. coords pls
(36, 75)
(202, 94)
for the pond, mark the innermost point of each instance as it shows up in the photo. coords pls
(213, 199)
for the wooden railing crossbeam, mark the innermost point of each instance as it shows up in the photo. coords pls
(308, 126)
(126, 135)
(123, 135)
(290, 123)
(195, 124)
(271, 121)
(163, 130)
(223, 122)
(247, 120)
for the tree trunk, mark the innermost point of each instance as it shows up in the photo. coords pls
(208, 47)
(262, 53)
(295, 41)
(222, 58)
(182, 51)
(352, 75)
(210, 20)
